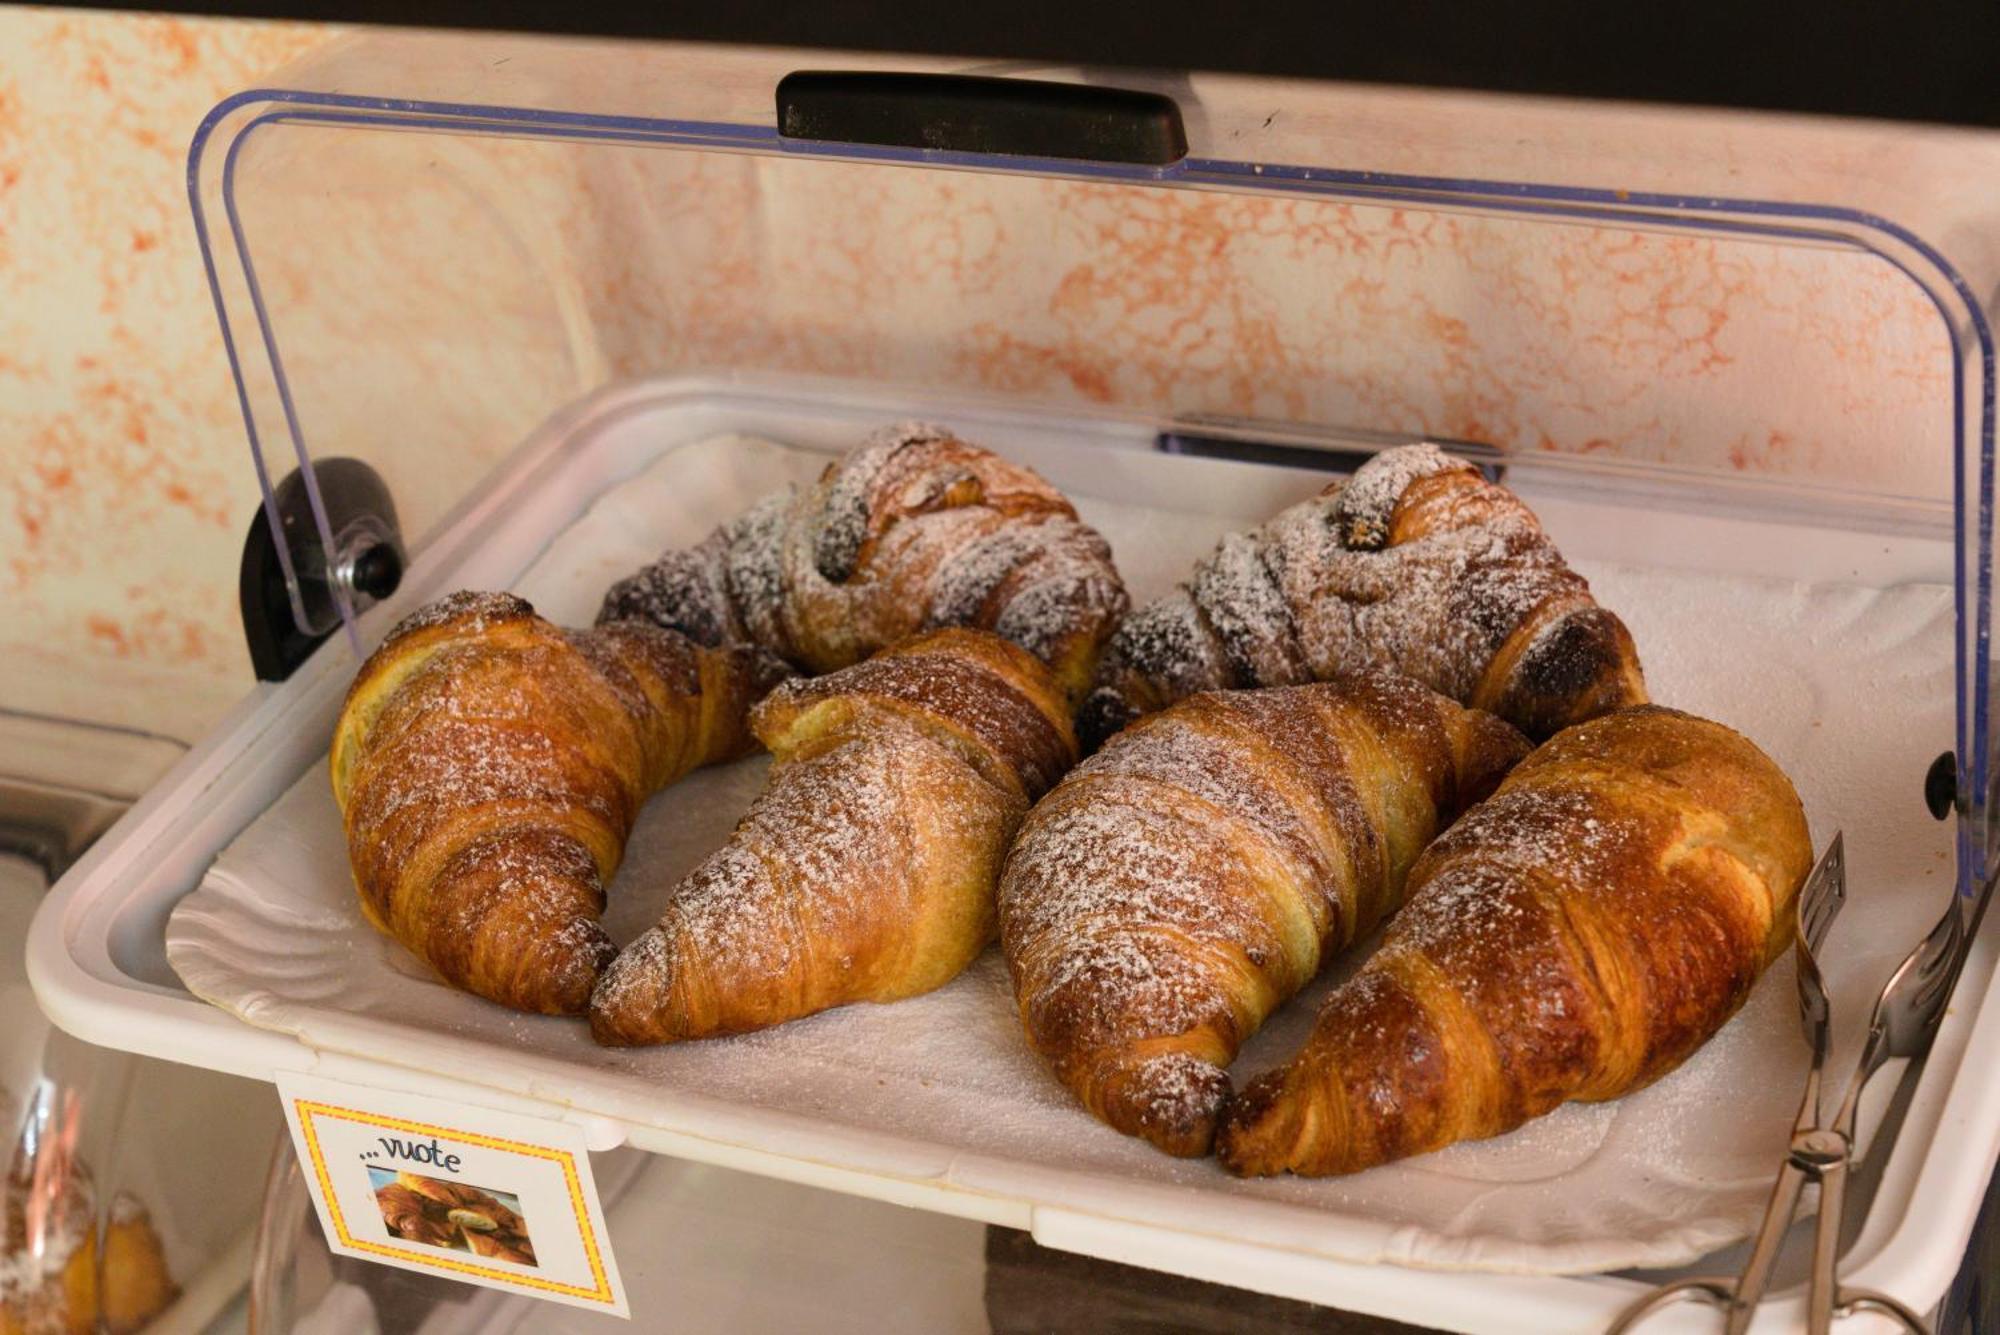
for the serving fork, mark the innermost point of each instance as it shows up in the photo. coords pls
(1904, 1024)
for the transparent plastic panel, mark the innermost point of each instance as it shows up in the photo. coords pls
(500, 279)
(119, 1209)
(424, 246)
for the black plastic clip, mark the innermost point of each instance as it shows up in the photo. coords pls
(364, 565)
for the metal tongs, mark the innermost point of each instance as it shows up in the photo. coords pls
(1905, 1024)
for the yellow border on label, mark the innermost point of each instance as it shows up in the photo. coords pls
(308, 1109)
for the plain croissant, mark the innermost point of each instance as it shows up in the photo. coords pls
(1178, 886)
(914, 530)
(489, 767)
(865, 870)
(1576, 936)
(1417, 564)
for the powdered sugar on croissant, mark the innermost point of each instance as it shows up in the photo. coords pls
(913, 530)
(1416, 564)
(1576, 936)
(1182, 883)
(865, 870)
(489, 765)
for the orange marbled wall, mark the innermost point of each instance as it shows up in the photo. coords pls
(124, 480)
(437, 297)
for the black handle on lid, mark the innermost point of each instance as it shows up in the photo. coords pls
(963, 113)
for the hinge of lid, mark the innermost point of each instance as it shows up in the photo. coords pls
(363, 566)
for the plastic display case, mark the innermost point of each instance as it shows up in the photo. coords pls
(471, 286)
(115, 1216)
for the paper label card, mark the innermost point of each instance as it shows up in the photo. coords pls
(491, 1198)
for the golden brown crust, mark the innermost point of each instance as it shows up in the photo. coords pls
(1417, 565)
(410, 1216)
(134, 1285)
(451, 1214)
(1020, 735)
(1182, 883)
(489, 766)
(1576, 936)
(59, 1275)
(501, 1246)
(865, 870)
(914, 530)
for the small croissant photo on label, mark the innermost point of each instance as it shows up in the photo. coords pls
(502, 1200)
(454, 1215)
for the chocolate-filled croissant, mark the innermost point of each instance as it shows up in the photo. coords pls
(1417, 564)
(913, 530)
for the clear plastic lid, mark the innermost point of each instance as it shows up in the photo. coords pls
(423, 246)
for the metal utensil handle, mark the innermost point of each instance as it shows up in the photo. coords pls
(1869, 1300)
(1748, 1290)
(1821, 1291)
(1715, 1292)
(1817, 903)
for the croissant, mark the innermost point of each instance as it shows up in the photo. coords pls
(48, 1252)
(1178, 886)
(134, 1284)
(912, 531)
(482, 1210)
(407, 1215)
(489, 766)
(1574, 937)
(504, 1246)
(1417, 564)
(865, 870)
(67, 1270)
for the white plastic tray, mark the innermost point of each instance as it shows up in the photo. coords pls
(274, 932)
(98, 968)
